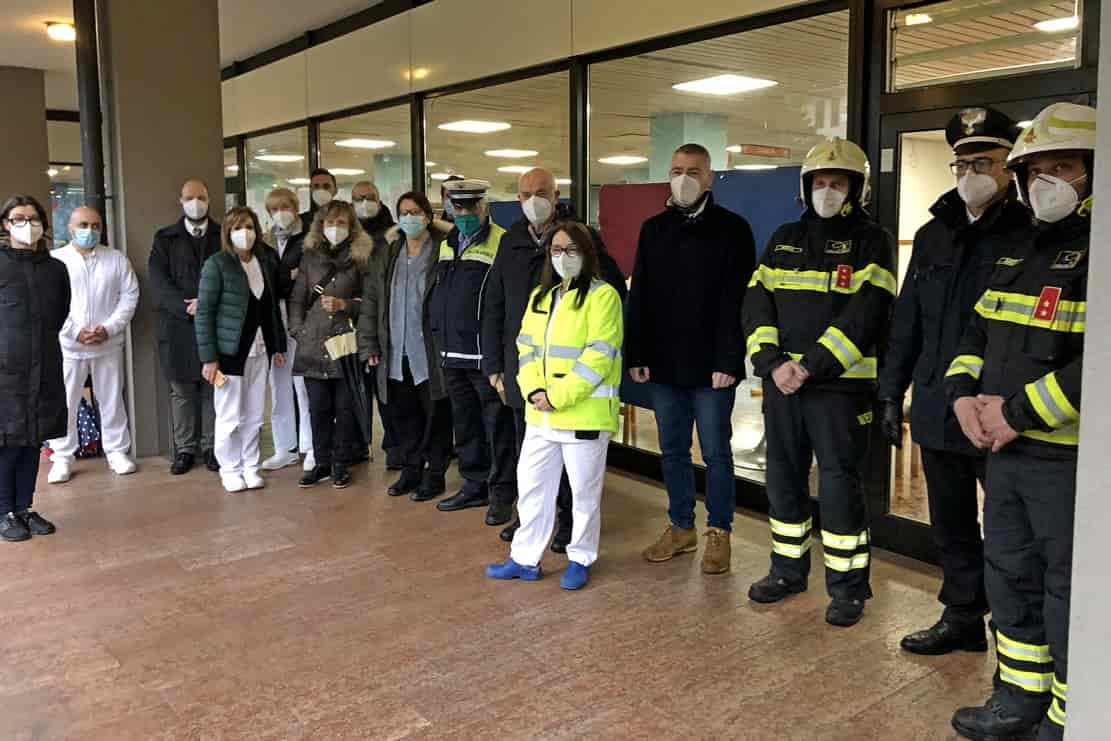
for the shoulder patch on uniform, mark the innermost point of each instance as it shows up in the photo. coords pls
(1068, 259)
(1009, 262)
(839, 248)
(787, 248)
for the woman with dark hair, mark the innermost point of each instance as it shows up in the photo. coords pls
(34, 296)
(239, 328)
(570, 370)
(395, 336)
(325, 303)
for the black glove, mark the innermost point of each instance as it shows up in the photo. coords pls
(892, 421)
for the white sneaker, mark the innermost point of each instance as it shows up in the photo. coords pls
(121, 464)
(233, 483)
(310, 461)
(279, 461)
(253, 480)
(60, 473)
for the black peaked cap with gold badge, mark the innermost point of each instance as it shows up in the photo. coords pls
(980, 128)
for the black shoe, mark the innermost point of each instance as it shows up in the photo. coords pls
(341, 477)
(432, 487)
(499, 513)
(407, 484)
(844, 613)
(946, 637)
(995, 722)
(465, 499)
(210, 461)
(562, 535)
(13, 529)
(182, 464)
(509, 531)
(315, 476)
(774, 588)
(36, 523)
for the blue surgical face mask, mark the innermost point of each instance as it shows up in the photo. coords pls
(86, 239)
(412, 224)
(468, 224)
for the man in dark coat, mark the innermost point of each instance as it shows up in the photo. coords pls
(374, 215)
(322, 189)
(176, 258)
(516, 272)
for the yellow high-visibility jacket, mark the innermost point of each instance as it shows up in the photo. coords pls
(574, 354)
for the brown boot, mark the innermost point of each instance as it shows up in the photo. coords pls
(675, 540)
(716, 557)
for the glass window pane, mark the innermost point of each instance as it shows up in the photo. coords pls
(67, 192)
(371, 146)
(231, 179)
(957, 40)
(506, 130)
(760, 100)
(277, 160)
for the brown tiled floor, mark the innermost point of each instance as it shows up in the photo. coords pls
(165, 609)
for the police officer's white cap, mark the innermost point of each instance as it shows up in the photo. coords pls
(466, 191)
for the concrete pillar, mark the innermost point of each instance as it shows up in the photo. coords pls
(161, 73)
(23, 127)
(669, 131)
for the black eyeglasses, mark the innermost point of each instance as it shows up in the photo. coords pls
(571, 250)
(979, 165)
(22, 221)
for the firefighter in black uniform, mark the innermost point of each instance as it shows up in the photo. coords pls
(954, 254)
(816, 306)
(1015, 386)
(484, 435)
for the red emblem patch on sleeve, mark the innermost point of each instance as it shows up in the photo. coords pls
(1047, 303)
(844, 276)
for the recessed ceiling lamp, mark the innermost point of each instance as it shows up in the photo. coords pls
(724, 85)
(734, 148)
(366, 143)
(1058, 24)
(52, 172)
(430, 164)
(440, 175)
(61, 31)
(345, 171)
(563, 181)
(280, 157)
(232, 168)
(518, 169)
(1025, 124)
(623, 159)
(475, 127)
(299, 181)
(511, 153)
(917, 19)
(755, 167)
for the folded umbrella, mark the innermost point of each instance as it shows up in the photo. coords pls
(344, 350)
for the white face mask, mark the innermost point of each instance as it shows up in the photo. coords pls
(321, 197)
(367, 209)
(976, 189)
(195, 209)
(567, 266)
(1052, 198)
(827, 201)
(283, 220)
(28, 234)
(243, 239)
(335, 234)
(537, 210)
(685, 190)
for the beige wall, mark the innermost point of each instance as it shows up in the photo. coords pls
(23, 131)
(923, 176)
(421, 49)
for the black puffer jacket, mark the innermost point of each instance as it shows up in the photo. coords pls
(34, 304)
(290, 258)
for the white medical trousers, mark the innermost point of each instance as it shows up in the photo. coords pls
(107, 373)
(544, 455)
(240, 405)
(290, 427)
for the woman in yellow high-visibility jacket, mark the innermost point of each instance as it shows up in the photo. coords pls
(570, 370)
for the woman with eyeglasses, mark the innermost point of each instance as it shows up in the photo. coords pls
(34, 304)
(570, 370)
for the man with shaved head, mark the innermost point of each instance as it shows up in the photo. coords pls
(104, 296)
(176, 258)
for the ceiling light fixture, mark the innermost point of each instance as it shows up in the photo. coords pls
(511, 153)
(724, 85)
(755, 167)
(52, 172)
(734, 148)
(1025, 124)
(299, 181)
(366, 143)
(1058, 24)
(623, 159)
(917, 19)
(563, 181)
(346, 171)
(430, 164)
(517, 169)
(440, 176)
(280, 157)
(61, 31)
(232, 168)
(468, 126)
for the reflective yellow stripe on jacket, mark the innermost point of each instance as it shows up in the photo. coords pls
(1018, 308)
(822, 281)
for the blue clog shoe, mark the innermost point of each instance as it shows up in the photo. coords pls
(512, 570)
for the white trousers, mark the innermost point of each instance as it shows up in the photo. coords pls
(285, 427)
(543, 456)
(240, 405)
(107, 373)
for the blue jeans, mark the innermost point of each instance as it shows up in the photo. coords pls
(677, 411)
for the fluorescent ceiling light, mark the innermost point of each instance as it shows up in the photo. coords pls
(755, 167)
(511, 153)
(420, 73)
(429, 164)
(1025, 124)
(299, 181)
(475, 127)
(52, 172)
(280, 157)
(563, 181)
(518, 169)
(1058, 24)
(61, 31)
(724, 85)
(623, 159)
(734, 148)
(232, 168)
(345, 171)
(440, 175)
(917, 19)
(366, 143)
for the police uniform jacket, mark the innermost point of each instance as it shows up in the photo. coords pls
(822, 295)
(948, 271)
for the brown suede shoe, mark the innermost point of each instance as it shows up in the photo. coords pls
(675, 540)
(716, 557)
